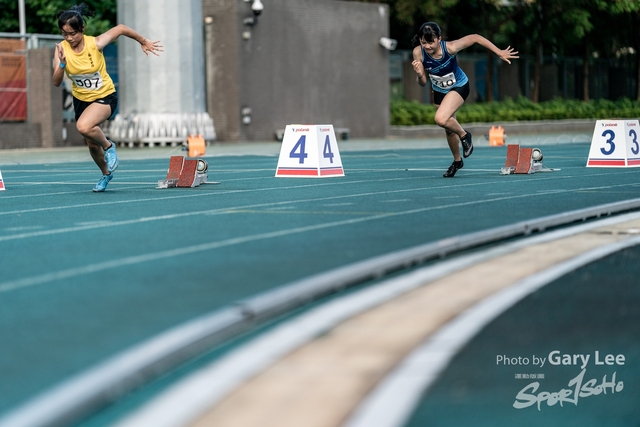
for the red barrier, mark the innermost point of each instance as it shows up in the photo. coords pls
(13, 80)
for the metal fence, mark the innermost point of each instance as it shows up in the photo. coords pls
(35, 41)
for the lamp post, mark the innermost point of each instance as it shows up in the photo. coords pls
(21, 14)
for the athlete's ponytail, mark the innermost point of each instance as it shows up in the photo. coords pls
(74, 17)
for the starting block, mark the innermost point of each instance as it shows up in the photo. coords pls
(309, 151)
(1, 182)
(186, 173)
(496, 136)
(522, 160)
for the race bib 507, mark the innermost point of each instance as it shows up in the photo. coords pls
(87, 81)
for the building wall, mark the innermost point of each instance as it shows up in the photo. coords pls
(222, 44)
(305, 61)
(45, 100)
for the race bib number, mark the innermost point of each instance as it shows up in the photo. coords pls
(87, 81)
(444, 82)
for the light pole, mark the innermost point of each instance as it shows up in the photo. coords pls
(23, 22)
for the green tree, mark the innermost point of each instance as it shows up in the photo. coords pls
(492, 19)
(41, 15)
(583, 28)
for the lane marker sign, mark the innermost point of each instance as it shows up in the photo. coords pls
(309, 151)
(615, 144)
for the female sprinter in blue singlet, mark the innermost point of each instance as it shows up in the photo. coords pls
(435, 59)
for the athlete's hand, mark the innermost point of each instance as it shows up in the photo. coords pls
(508, 53)
(61, 56)
(153, 47)
(418, 68)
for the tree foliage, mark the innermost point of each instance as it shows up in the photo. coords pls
(578, 28)
(584, 29)
(41, 15)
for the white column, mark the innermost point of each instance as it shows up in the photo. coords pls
(157, 91)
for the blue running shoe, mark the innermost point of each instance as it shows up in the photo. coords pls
(102, 184)
(111, 157)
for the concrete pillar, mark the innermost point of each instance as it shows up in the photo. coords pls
(162, 97)
(45, 103)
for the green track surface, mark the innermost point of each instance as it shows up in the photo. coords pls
(86, 275)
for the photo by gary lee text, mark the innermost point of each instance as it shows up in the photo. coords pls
(558, 358)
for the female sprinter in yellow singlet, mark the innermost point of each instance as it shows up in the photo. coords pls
(94, 95)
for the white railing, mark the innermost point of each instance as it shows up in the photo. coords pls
(157, 128)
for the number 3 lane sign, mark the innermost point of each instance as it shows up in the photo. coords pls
(309, 151)
(615, 143)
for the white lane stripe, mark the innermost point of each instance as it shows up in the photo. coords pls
(187, 399)
(73, 272)
(86, 183)
(392, 403)
(281, 188)
(183, 196)
(458, 185)
(238, 208)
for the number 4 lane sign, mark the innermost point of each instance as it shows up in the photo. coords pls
(309, 151)
(615, 143)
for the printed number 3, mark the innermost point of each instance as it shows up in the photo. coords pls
(634, 137)
(608, 133)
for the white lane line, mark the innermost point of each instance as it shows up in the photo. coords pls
(59, 193)
(85, 183)
(239, 208)
(187, 399)
(116, 263)
(458, 185)
(191, 195)
(229, 210)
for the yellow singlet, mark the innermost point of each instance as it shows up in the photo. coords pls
(88, 71)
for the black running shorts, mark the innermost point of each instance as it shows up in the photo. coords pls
(111, 100)
(462, 90)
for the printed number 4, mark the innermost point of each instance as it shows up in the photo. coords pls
(610, 134)
(298, 151)
(326, 152)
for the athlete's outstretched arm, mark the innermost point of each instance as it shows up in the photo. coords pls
(456, 46)
(122, 30)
